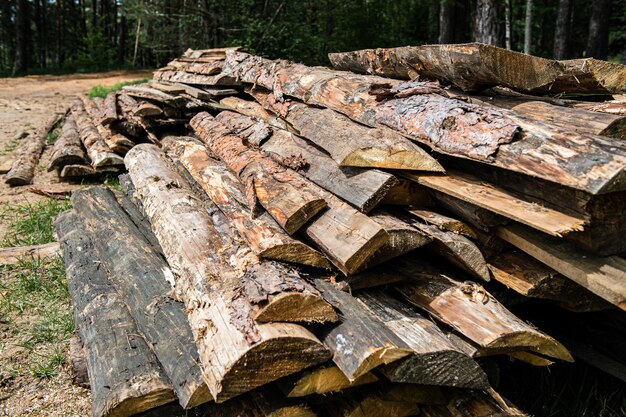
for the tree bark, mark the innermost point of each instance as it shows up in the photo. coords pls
(562, 30)
(528, 27)
(446, 21)
(237, 354)
(68, 149)
(598, 39)
(22, 36)
(486, 22)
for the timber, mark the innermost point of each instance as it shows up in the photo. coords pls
(325, 379)
(435, 360)
(140, 275)
(603, 276)
(98, 151)
(236, 354)
(360, 342)
(262, 234)
(108, 331)
(78, 360)
(116, 142)
(14, 255)
(473, 312)
(109, 109)
(282, 192)
(67, 149)
(23, 169)
(443, 222)
(79, 170)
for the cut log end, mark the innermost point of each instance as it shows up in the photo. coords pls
(137, 397)
(379, 356)
(392, 159)
(310, 308)
(298, 253)
(292, 222)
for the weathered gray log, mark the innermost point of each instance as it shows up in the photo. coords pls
(236, 354)
(350, 143)
(78, 361)
(262, 234)
(288, 198)
(109, 109)
(435, 361)
(98, 151)
(141, 275)
(67, 149)
(359, 342)
(195, 79)
(23, 169)
(118, 143)
(125, 376)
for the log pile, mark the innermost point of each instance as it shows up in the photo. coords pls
(322, 242)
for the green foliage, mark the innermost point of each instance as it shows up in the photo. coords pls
(95, 52)
(101, 90)
(52, 137)
(31, 224)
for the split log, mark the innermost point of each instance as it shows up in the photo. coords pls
(109, 109)
(582, 121)
(590, 76)
(116, 142)
(121, 383)
(424, 112)
(146, 109)
(603, 276)
(359, 342)
(364, 189)
(15, 255)
(349, 143)
(530, 278)
(99, 153)
(443, 222)
(480, 218)
(128, 106)
(148, 93)
(262, 234)
(284, 194)
(68, 149)
(473, 312)
(322, 380)
(23, 169)
(236, 354)
(609, 107)
(256, 111)
(435, 361)
(72, 171)
(172, 89)
(141, 276)
(195, 79)
(474, 191)
(207, 93)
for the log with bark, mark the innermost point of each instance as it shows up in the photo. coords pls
(78, 362)
(118, 143)
(68, 149)
(78, 170)
(109, 109)
(322, 380)
(125, 375)
(286, 196)
(443, 222)
(262, 234)
(236, 354)
(15, 255)
(140, 275)
(23, 168)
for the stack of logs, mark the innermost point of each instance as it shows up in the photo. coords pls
(332, 243)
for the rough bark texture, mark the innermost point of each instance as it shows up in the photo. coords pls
(283, 193)
(435, 361)
(262, 234)
(236, 354)
(109, 109)
(125, 376)
(68, 148)
(598, 40)
(99, 153)
(562, 30)
(487, 22)
(141, 277)
(22, 171)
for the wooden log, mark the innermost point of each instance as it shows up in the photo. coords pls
(443, 222)
(98, 151)
(393, 401)
(194, 79)
(147, 109)
(284, 194)
(590, 76)
(124, 374)
(347, 142)
(148, 93)
(582, 121)
(466, 403)
(363, 189)
(78, 361)
(473, 312)
(325, 379)
(422, 111)
(109, 109)
(256, 111)
(603, 276)
(15, 255)
(530, 278)
(23, 169)
(435, 361)
(116, 142)
(67, 149)
(73, 171)
(474, 191)
(360, 342)
(262, 234)
(481, 219)
(141, 275)
(609, 107)
(236, 354)
(128, 106)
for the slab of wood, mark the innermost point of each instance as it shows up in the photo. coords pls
(15, 255)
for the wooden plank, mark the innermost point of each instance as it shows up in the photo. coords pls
(121, 383)
(283, 193)
(237, 354)
(195, 79)
(603, 276)
(140, 275)
(15, 255)
(262, 234)
(443, 222)
(472, 190)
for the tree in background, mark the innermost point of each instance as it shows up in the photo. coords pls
(598, 41)
(562, 29)
(487, 22)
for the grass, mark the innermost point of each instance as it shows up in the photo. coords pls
(101, 90)
(9, 147)
(31, 224)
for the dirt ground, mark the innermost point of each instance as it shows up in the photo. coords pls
(25, 104)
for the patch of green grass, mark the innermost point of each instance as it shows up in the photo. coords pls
(31, 224)
(101, 90)
(9, 147)
(48, 365)
(52, 137)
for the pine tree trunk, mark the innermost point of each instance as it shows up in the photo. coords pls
(598, 40)
(486, 27)
(528, 26)
(446, 21)
(562, 29)
(21, 37)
